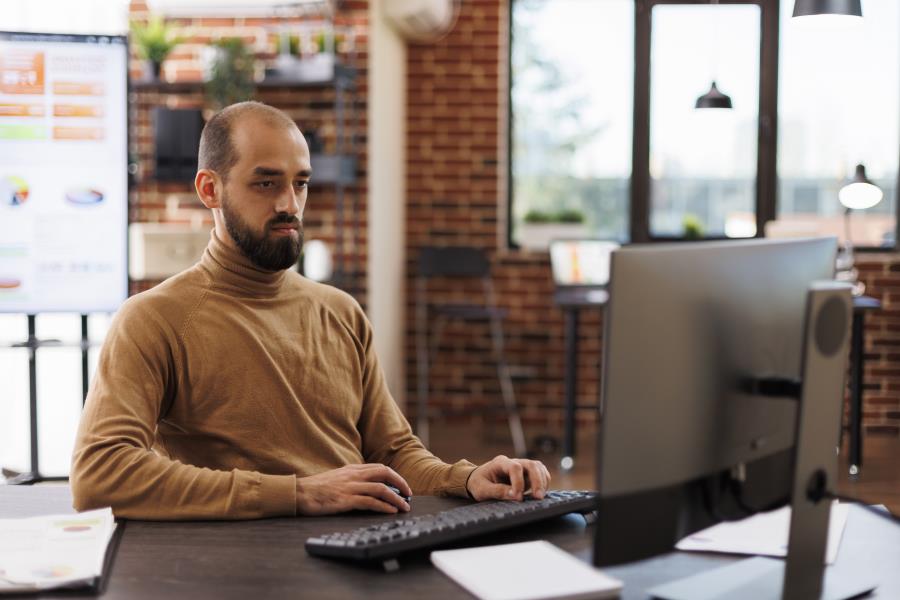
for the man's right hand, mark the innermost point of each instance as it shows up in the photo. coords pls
(354, 487)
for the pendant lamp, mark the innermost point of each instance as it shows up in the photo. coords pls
(808, 8)
(713, 99)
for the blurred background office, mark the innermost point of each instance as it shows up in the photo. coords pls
(496, 125)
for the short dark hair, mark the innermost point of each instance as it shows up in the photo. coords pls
(217, 152)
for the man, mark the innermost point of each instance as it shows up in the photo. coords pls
(239, 389)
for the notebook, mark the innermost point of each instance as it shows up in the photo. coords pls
(524, 571)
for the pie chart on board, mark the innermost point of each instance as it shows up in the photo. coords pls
(84, 196)
(13, 190)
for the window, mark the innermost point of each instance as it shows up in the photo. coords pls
(832, 96)
(703, 162)
(838, 107)
(571, 111)
(59, 388)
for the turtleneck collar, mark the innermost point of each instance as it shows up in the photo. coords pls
(229, 267)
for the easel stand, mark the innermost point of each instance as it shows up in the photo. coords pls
(33, 475)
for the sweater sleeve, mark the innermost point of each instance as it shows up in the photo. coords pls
(113, 462)
(388, 439)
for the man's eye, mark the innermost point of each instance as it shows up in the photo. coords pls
(301, 184)
(265, 184)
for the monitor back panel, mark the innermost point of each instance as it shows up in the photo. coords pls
(685, 323)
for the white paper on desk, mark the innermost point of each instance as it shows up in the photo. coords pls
(764, 534)
(39, 553)
(524, 571)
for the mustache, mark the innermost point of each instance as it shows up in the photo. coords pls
(284, 219)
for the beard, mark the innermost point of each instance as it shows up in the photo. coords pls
(262, 250)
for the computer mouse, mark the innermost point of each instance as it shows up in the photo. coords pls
(397, 491)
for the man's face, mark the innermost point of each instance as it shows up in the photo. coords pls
(265, 193)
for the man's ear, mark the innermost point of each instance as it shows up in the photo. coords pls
(209, 186)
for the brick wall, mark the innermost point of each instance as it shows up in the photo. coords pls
(457, 195)
(456, 128)
(881, 396)
(310, 107)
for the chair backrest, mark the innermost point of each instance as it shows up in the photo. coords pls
(453, 261)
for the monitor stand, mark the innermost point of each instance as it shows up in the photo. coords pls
(802, 575)
(758, 578)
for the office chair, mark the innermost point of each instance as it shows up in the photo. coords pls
(457, 263)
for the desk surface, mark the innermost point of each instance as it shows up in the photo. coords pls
(569, 297)
(266, 559)
(587, 296)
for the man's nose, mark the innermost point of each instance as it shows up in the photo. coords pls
(289, 203)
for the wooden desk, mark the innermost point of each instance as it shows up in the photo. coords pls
(266, 559)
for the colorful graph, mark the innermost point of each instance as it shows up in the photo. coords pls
(13, 190)
(84, 196)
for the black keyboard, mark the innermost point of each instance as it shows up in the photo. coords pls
(389, 539)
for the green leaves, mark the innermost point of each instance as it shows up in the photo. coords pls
(231, 77)
(569, 215)
(154, 39)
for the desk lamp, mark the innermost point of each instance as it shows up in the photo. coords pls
(859, 193)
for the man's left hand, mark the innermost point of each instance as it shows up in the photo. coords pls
(508, 479)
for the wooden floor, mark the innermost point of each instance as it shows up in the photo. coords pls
(878, 481)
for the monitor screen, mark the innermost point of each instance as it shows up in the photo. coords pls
(580, 262)
(63, 172)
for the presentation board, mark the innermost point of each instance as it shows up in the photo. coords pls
(63, 173)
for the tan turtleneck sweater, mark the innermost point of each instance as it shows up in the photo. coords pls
(219, 387)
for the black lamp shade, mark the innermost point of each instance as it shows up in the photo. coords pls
(859, 176)
(806, 8)
(713, 99)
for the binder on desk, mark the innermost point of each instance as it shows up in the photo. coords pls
(57, 551)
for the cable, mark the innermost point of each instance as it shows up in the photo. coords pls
(737, 492)
(885, 514)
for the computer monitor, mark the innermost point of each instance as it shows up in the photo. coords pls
(580, 262)
(707, 362)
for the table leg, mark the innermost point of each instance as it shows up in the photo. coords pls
(571, 381)
(856, 393)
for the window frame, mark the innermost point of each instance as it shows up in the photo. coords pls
(767, 134)
(509, 138)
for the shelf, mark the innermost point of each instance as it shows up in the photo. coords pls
(343, 77)
(328, 169)
(333, 169)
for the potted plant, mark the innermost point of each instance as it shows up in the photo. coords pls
(539, 227)
(319, 65)
(692, 228)
(231, 73)
(154, 41)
